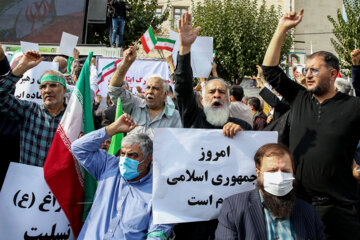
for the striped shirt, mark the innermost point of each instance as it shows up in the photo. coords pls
(277, 228)
(38, 127)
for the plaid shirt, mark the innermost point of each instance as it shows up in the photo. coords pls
(277, 228)
(38, 127)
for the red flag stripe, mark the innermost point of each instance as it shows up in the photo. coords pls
(143, 41)
(58, 180)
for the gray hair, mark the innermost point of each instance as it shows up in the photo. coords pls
(61, 59)
(216, 79)
(164, 81)
(343, 85)
(144, 141)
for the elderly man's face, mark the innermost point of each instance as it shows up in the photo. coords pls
(215, 94)
(52, 94)
(154, 94)
(216, 103)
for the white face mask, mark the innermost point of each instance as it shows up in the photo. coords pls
(278, 183)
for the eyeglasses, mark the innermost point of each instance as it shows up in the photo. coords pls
(51, 85)
(314, 71)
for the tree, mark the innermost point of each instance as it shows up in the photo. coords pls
(241, 30)
(138, 19)
(346, 32)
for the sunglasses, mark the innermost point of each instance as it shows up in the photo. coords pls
(50, 85)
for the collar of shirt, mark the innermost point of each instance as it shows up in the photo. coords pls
(168, 111)
(47, 112)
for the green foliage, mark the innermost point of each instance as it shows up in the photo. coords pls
(242, 30)
(138, 20)
(346, 33)
(141, 16)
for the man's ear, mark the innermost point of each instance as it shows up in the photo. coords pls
(333, 74)
(201, 100)
(257, 172)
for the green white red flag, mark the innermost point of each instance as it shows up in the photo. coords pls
(61, 171)
(148, 40)
(165, 44)
(104, 77)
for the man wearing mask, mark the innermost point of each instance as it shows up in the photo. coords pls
(271, 211)
(122, 207)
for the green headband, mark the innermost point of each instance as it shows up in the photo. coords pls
(54, 78)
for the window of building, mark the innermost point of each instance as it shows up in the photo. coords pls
(158, 11)
(178, 11)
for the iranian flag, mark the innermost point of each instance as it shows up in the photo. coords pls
(165, 44)
(61, 171)
(148, 40)
(104, 77)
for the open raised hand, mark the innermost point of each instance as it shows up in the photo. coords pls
(29, 60)
(187, 34)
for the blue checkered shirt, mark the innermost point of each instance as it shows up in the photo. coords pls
(37, 125)
(277, 228)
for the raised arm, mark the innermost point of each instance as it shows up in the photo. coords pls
(187, 34)
(288, 21)
(4, 64)
(355, 56)
(272, 73)
(183, 73)
(9, 104)
(86, 149)
(118, 78)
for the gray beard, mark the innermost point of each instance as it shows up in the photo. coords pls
(217, 116)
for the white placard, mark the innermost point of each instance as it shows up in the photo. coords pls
(27, 88)
(67, 44)
(137, 74)
(28, 46)
(195, 169)
(28, 208)
(201, 54)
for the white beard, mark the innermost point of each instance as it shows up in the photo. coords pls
(217, 116)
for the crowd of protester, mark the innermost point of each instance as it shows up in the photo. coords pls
(307, 184)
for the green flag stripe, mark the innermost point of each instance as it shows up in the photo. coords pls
(166, 40)
(152, 36)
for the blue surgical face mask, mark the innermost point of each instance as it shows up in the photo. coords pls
(128, 168)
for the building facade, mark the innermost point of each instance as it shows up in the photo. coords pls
(312, 34)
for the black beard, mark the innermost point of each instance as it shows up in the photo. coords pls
(278, 206)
